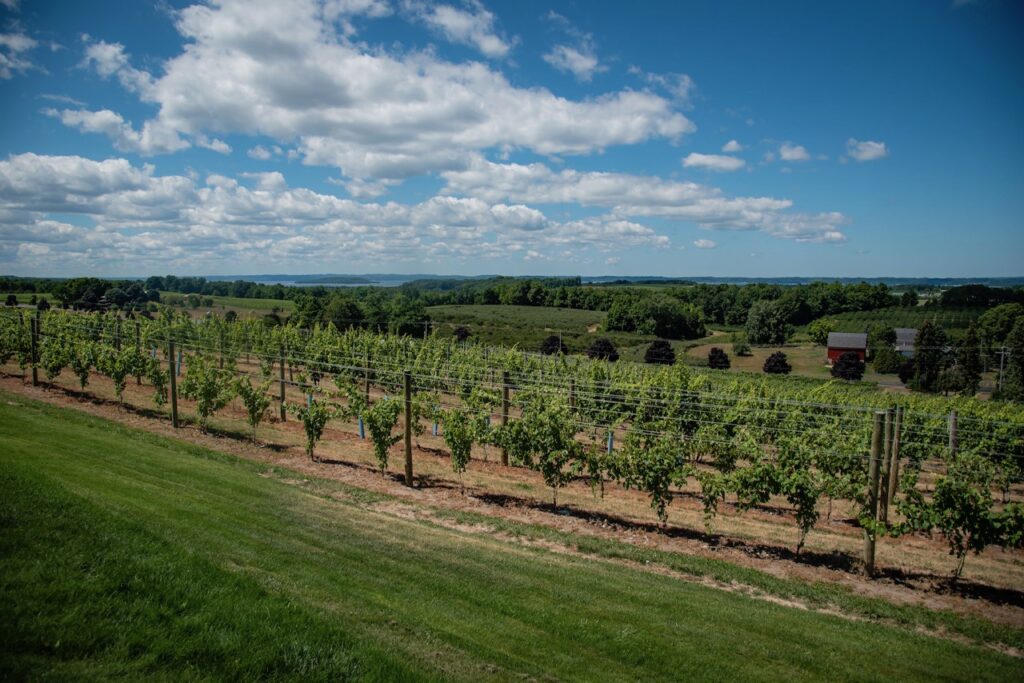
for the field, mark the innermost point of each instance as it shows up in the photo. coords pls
(952, 320)
(200, 564)
(221, 304)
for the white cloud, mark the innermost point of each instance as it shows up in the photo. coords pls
(635, 196)
(154, 138)
(790, 152)
(259, 152)
(679, 86)
(580, 63)
(612, 261)
(280, 70)
(732, 146)
(866, 150)
(132, 215)
(214, 144)
(713, 162)
(473, 26)
(704, 244)
(13, 47)
(344, 11)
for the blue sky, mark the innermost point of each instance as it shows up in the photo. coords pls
(682, 138)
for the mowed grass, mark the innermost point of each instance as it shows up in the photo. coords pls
(124, 554)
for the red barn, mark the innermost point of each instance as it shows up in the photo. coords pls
(841, 342)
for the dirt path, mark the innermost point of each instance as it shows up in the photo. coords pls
(911, 567)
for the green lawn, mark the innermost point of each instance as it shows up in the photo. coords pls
(123, 554)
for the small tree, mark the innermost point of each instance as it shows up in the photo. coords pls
(208, 385)
(256, 401)
(968, 363)
(1012, 388)
(314, 417)
(741, 347)
(819, 330)
(458, 434)
(43, 305)
(462, 333)
(718, 359)
(660, 352)
(777, 364)
(603, 349)
(12, 300)
(767, 324)
(553, 345)
(848, 366)
(887, 361)
(929, 357)
(381, 419)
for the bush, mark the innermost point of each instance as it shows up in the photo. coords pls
(43, 305)
(888, 361)
(718, 359)
(660, 352)
(603, 349)
(741, 347)
(462, 333)
(819, 330)
(553, 345)
(12, 300)
(849, 366)
(777, 364)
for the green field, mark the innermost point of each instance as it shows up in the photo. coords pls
(950, 319)
(127, 555)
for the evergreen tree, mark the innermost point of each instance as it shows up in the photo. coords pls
(660, 352)
(968, 363)
(777, 364)
(929, 357)
(553, 345)
(848, 366)
(603, 349)
(718, 359)
(1013, 377)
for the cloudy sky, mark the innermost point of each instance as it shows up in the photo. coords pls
(670, 138)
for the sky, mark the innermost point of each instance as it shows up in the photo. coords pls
(684, 138)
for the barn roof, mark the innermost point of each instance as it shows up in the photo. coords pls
(848, 340)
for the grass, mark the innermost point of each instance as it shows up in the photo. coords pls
(124, 554)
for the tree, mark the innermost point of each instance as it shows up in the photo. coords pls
(766, 323)
(718, 359)
(777, 364)
(848, 366)
(908, 298)
(968, 363)
(462, 333)
(929, 357)
(381, 419)
(43, 305)
(230, 317)
(12, 300)
(880, 338)
(553, 345)
(603, 349)
(256, 401)
(887, 361)
(819, 330)
(660, 352)
(741, 347)
(1012, 388)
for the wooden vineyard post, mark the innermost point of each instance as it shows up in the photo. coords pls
(952, 433)
(894, 470)
(876, 452)
(366, 378)
(138, 352)
(171, 359)
(408, 428)
(504, 412)
(883, 477)
(34, 347)
(284, 413)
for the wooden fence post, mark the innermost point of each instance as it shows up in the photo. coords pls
(876, 452)
(408, 428)
(171, 370)
(284, 413)
(504, 412)
(883, 477)
(952, 434)
(138, 351)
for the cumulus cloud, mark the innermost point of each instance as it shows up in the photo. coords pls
(732, 146)
(473, 26)
(678, 86)
(280, 70)
(154, 138)
(259, 152)
(790, 152)
(131, 214)
(13, 47)
(705, 244)
(635, 196)
(866, 150)
(579, 57)
(713, 162)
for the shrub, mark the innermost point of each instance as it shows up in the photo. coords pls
(660, 352)
(718, 359)
(462, 333)
(741, 347)
(819, 330)
(553, 345)
(887, 361)
(849, 366)
(603, 349)
(777, 364)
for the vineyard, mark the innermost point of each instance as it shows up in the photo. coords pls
(903, 464)
(953, 319)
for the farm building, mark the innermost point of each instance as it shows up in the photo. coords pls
(841, 342)
(905, 338)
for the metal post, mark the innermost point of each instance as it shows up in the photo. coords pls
(876, 452)
(174, 383)
(284, 413)
(883, 483)
(408, 428)
(894, 469)
(504, 411)
(952, 434)
(34, 348)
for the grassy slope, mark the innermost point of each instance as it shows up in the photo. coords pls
(125, 554)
